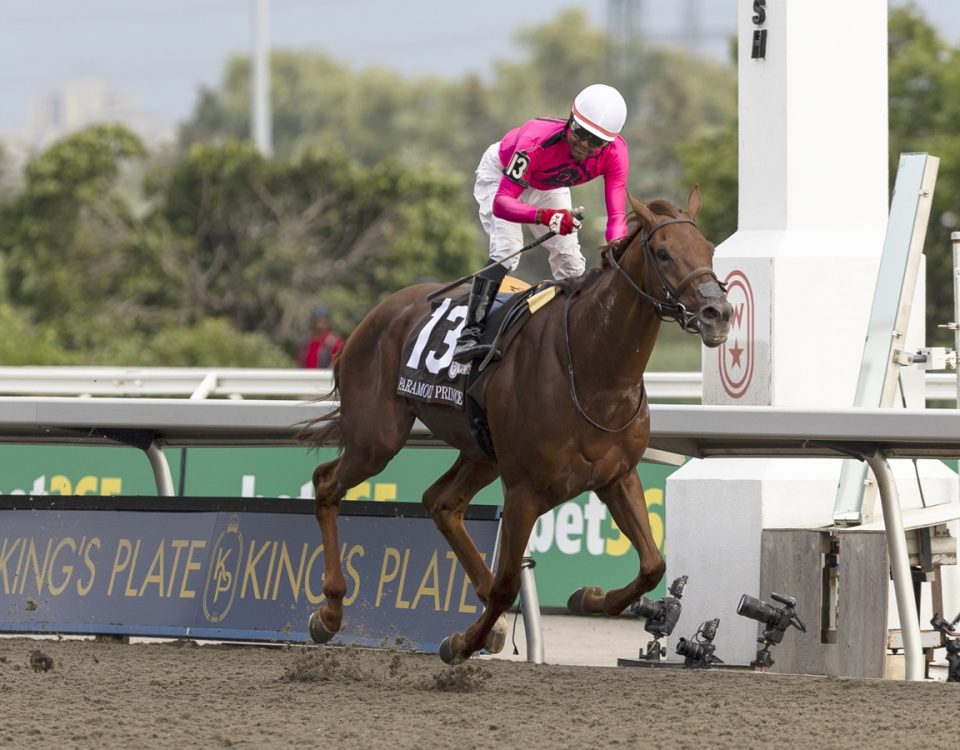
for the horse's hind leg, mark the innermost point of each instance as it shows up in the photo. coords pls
(628, 507)
(446, 500)
(331, 482)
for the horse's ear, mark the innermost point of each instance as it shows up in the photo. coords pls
(644, 214)
(694, 201)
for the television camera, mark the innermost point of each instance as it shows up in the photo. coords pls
(951, 642)
(661, 618)
(776, 619)
(698, 652)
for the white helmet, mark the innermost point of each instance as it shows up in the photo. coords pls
(601, 110)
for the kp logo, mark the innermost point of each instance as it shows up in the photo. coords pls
(736, 356)
(223, 572)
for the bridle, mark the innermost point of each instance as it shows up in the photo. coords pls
(670, 309)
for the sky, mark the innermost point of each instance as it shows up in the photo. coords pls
(163, 52)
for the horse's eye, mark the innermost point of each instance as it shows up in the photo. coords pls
(662, 254)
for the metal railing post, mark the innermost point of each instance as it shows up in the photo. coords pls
(161, 470)
(530, 605)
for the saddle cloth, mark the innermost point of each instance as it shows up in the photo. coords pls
(427, 370)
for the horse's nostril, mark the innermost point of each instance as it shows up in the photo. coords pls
(709, 314)
(719, 313)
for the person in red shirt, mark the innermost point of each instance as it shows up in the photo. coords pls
(323, 345)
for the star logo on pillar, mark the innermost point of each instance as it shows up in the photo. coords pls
(736, 370)
(735, 353)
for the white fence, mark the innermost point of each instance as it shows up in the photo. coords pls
(289, 383)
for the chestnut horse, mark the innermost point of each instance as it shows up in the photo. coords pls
(566, 408)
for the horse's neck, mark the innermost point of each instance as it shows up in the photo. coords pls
(614, 328)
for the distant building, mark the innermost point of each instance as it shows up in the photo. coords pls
(81, 103)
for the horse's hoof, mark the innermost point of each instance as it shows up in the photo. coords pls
(576, 603)
(497, 637)
(446, 651)
(318, 631)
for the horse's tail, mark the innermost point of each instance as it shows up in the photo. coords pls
(325, 430)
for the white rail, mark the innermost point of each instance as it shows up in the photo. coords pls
(199, 382)
(193, 382)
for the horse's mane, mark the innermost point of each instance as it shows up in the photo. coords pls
(658, 207)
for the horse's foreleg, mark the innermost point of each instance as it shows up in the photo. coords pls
(628, 507)
(515, 527)
(446, 500)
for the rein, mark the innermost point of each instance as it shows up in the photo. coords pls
(670, 309)
(573, 385)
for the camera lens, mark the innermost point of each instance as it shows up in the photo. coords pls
(755, 609)
(690, 649)
(647, 609)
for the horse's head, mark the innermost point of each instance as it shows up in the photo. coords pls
(677, 276)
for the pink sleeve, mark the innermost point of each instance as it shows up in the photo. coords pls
(508, 206)
(615, 192)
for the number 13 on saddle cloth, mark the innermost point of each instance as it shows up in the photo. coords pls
(428, 372)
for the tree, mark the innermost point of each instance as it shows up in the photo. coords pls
(71, 240)
(260, 242)
(924, 111)
(711, 161)
(374, 115)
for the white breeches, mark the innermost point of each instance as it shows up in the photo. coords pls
(506, 237)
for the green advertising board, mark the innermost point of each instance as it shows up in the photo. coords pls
(574, 545)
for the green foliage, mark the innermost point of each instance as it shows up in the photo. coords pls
(260, 242)
(676, 350)
(711, 161)
(924, 111)
(25, 343)
(221, 255)
(71, 241)
(211, 341)
(372, 116)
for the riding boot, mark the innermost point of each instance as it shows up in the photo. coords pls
(470, 344)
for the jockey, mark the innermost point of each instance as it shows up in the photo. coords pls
(525, 178)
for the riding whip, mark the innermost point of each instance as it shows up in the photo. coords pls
(577, 212)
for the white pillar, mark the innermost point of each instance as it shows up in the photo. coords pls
(813, 203)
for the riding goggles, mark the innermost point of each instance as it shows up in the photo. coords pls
(585, 136)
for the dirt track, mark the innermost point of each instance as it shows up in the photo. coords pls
(180, 695)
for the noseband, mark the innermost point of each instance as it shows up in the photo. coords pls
(669, 308)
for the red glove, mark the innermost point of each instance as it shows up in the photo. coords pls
(560, 220)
